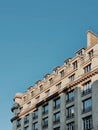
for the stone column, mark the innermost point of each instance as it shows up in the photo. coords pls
(40, 118)
(62, 112)
(22, 123)
(78, 121)
(50, 115)
(14, 125)
(30, 122)
(95, 104)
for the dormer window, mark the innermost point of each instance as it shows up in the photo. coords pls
(24, 98)
(56, 69)
(32, 93)
(67, 61)
(75, 65)
(62, 73)
(80, 52)
(51, 81)
(41, 87)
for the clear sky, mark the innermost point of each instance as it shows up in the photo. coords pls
(35, 37)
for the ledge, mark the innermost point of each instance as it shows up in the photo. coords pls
(15, 106)
(14, 118)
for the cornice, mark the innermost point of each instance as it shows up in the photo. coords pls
(81, 79)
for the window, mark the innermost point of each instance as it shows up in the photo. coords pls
(57, 103)
(51, 81)
(35, 126)
(26, 128)
(87, 87)
(48, 93)
(87, 105)
(41, 87)
(67, 61)
(38, 98)
(87, 123)
(57, 128)
(32, 93)
(24, 98)
(90, 54)
(21, 108)
(45, 109)
(75, 65)
(81, 52)
(18, 122)
(26, 119)
(87, 68)
(29, 104)
(57, 118)
(70, 112)
(45, 122)
(35, 114)
(70, 96)
(58, 85)
(72, 77)
(70, 126)
(62, 73)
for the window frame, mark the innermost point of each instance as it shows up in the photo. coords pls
(57, 103)
(87, 105)
(75, 64)
(87, 68)
(87, 123)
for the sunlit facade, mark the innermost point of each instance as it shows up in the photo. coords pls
(67, 99)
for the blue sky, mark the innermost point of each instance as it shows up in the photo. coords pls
(36, 36)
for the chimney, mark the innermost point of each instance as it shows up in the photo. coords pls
(91, 38)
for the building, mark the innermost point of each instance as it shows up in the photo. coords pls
(67, 99)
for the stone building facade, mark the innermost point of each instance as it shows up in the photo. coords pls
(67, 99)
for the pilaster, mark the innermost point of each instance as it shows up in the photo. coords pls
(78, 121)
(50, 117)
(63, 112)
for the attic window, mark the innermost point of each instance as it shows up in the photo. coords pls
(62, 73)
(41, 87)
(32, 93)
(24, 98)
(51, 81)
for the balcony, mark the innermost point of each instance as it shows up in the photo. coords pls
(26, 121)
(45, 125)
(18, 125)
(88, 109)
(56, 107)
(57, 121)
(45, 112)
(70, 100)
(35, 117)
(36, 129)
(14, 107)
(87, 91)
(70, 116)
